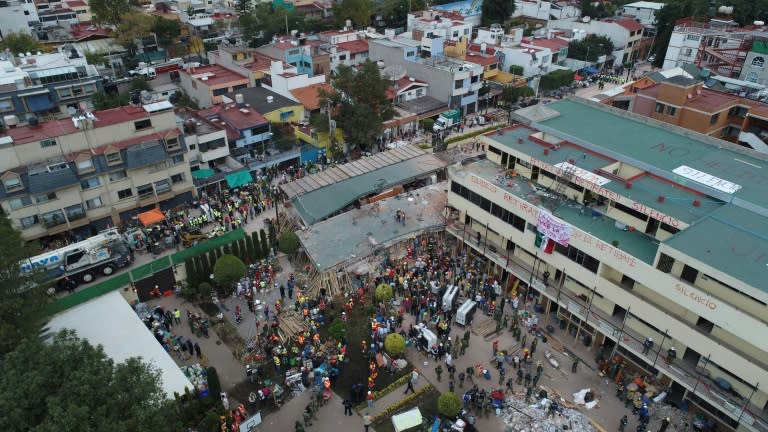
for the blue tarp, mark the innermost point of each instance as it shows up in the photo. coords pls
(37, 103)
(591, 70)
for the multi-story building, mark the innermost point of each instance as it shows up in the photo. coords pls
(452, 81)
(46, 84)
(273, 106)
(304, 53)
(643, 11)
(754, 69)
(93, 170)
(249, 132)
(659, 234)
(281, 79)
(17, 16)
(543, 10)
(625, 33)
(207, 84)
(718, 44)
(430, 24)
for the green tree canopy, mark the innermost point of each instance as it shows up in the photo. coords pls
(360, 102)
(384, 293)
(227, 271)
(396, 11)
(166, 30)
(265, 21)
(591, 48)
(67, 384)
(108, 11)
(289, 243)
(449, 404)
(496, 11)
(394, 343)
(19, 308)
(358, 11)
(337, 329)
(19, 43)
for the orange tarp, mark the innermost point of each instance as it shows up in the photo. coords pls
(151, 217)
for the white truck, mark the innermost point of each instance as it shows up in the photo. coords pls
(146, 72)
(81, 262)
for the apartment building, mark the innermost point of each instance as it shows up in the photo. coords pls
(658, 234)
(207, 85)
(84, 173)
(643, 11)
(17, 16)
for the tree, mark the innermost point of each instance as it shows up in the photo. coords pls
(496, 11)
(256, 246)
(449, 404)
(289, 243)
(140, 83)
(665, 23)
(337, 329)
(266, 21)
(67, 384)
(243, 7)
(384, 293)
(108, 11)
(590, 49)
(133, 25)
(102, 101)
(394, 343)
(357, 11)
(166, 31)
(228, 271)
(396, 11)
(19, 43)
(19, 307)
(516, 69)
(264, 243)
(193, 277)
(360, 101)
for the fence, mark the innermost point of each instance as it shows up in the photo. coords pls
(140, 272)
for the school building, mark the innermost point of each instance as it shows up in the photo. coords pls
(644, 229)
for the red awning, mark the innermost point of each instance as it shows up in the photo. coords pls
(577, 77)
(151, 217)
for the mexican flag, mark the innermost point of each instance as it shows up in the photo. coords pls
(544, 243)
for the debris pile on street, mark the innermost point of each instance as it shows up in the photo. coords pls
(543, 416)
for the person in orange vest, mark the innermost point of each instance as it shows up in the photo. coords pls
(495, 347)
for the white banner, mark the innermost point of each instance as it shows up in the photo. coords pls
(553, 228)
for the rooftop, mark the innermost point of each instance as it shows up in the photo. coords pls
(693, 162)
(213, 75)
(321, 195)
(353, 235)
(354, 47)
(257, 98)
(627, 23)
(238, 118)
(645, 5)
(309, 96)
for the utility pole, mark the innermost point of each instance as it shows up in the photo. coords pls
(287, 32)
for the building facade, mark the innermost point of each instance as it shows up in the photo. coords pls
(615, 241)
(85, 173)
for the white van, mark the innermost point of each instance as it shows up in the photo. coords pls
(465, 313)
(449, 297)
(427, 338)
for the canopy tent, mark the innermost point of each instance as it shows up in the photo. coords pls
(407, 420)
(238, 179)
(203, 173)
(578, 77)
(151, 217)
(591, 70)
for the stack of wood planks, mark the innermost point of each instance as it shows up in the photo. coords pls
(291, 323)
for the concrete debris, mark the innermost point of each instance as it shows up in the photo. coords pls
(521, 416)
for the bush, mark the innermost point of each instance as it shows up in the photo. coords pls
(214, 386)
(428, 124)
(449, 404)
(556, 79)
(204, 291)
(289, 243)
(394, 343)
(384, 293)
(338, 329)
(227, 271)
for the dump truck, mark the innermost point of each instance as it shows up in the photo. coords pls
(80, 262)
(447, 120)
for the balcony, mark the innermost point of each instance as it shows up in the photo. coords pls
(630, 342)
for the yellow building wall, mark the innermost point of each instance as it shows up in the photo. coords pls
(279, 116)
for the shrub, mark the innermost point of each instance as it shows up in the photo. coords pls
(394, 343)
(384, 293)
(449, 404)
(289, 243)
(214, 386)
(338, 329)
(227, 271)
(204, 291)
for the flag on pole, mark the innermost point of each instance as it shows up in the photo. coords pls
(544, 243)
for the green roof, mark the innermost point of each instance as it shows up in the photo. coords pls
(203, 173)
(760, 46)
(238, 179)
(320, 203)
(731, 239)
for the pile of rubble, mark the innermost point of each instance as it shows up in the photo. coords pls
(521, 416)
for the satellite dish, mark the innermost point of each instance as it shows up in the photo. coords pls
(394, 72)
(71, 111)
(586, 19)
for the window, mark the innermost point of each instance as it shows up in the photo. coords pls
(64, 92)
(117, 175)
(113, 158)
(671, 111)
(239, 87)
(177, 178)
(50, 196)
(219, 92)
(211, 145)
(630, 211)
(578, 256)
(61, 166)
(12, 183)
(162, 186)
(715, 117)
(177, 159)
(145, 191)
(458, 84)
(89, 88)
(758, 61)
(48, 143)
(75, 212)
(90, 183)
(342, 57)
(143, 124)
(20, 202)
(6, 105)
(85, 166)
(29, 221)
(687, 52)
(665, 263)
(659, 107)
(689, 274)
(172, 144)
(94, 203)
(54, 218)
(692, 37)
(752, 77)
(125, 193)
